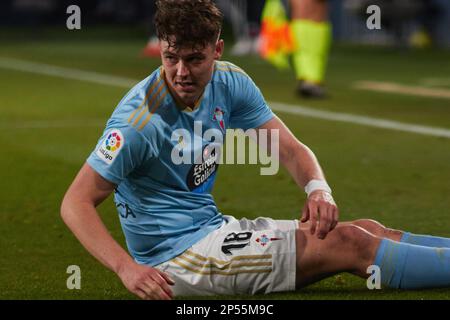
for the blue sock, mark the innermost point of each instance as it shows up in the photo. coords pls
(425, 240)
(407, 266)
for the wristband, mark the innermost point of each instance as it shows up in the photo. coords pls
(314, 185)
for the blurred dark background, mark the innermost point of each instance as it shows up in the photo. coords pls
(404, 22)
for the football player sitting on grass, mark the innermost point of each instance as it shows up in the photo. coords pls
(179, 243)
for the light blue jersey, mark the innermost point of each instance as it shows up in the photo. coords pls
(165, 208)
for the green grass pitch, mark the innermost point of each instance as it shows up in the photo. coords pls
(49, 125)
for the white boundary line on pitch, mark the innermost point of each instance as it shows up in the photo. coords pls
(361, 120)
(66, 73)
(391, 87)
(99, 78)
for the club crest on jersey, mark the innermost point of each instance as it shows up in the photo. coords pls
(111, 146)
(218, 116)
(264, 240)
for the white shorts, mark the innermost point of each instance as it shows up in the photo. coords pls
(241, 257)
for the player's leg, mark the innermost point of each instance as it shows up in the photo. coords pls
(350, 248)
(372, 226)
(312, 37)
(407, 237)
(379, 230)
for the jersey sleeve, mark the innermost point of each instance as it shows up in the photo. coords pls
(249, 109)
(119, 151)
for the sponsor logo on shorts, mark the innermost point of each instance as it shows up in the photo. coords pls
(111, 146)
(264, 240)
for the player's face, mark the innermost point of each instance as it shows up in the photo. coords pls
(189, 70)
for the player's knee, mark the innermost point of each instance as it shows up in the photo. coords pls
(354, 238)
(347, 233)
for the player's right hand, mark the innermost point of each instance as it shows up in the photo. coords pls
(322, 211)
(146, 282)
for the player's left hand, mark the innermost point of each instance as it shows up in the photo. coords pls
(322, 212)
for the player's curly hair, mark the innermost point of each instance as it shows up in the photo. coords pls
(188, 23)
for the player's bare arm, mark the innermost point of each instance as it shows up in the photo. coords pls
(78, 211)
(304, 167)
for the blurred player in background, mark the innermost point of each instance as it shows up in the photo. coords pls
(152, 47)
(312, 38)
(244, 18)
(307, 38)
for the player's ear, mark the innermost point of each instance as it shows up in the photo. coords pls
(218, 51)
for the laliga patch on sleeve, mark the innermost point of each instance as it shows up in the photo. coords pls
(111, 146)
